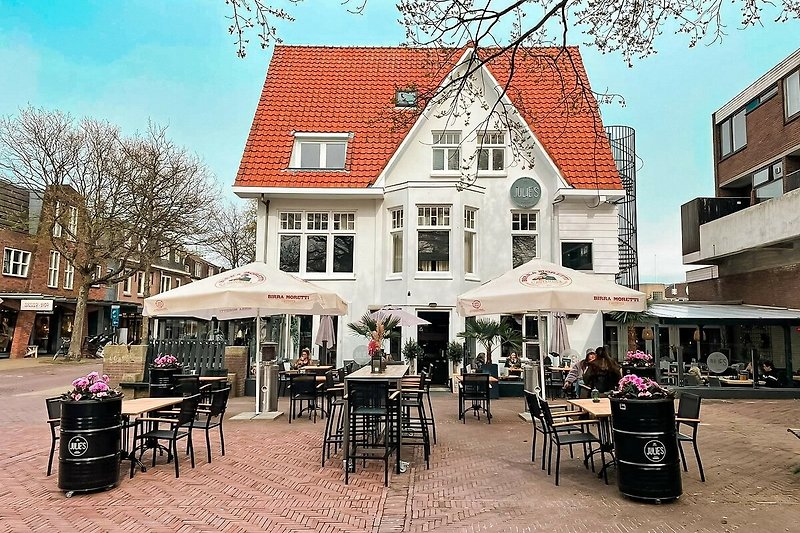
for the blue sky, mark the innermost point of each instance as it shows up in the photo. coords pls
(174, 62)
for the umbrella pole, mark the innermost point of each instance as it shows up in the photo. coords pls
(542, 346)
(258, 359)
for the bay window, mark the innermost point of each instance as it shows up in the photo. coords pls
(397, 240)
(433, 238)
(469, 239)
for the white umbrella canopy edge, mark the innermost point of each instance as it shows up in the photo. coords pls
(252, 290)
(538, 286)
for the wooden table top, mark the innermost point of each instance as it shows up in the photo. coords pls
(213, 378)
(795, 378)
(492, 379)
(392, 373)
(740, 382)
(310, 369)
(145, 405)
(601, 409)
(561, 368)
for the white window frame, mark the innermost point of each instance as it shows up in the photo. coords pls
(728, 132)
(69, 276)
(435, 217)
(126, 285)
(165, 283)
(791, 95)
(57, 228)
(396, 240)
(72, 225)
(140, 283)
(198, 269)
(306, 224)
(520, 227)
(491, 143)
(53, 268)
(471, 233)
(448, 144)
(177, 282)
(17, 260)
(323, 140)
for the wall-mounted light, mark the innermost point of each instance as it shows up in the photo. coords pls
(432, 304)
(647, 334)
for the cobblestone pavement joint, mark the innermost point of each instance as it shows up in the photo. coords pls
(480, 479)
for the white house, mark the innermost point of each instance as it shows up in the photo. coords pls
(357, 178)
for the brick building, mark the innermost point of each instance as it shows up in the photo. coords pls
(749, 233)
(38, 287)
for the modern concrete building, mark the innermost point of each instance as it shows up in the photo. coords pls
(360, 182)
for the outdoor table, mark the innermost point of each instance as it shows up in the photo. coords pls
(392, 374)
(134, 408)
(739, 382)
(560, 368)
(213, 378)
(492, 379)
(602, 412)
(796, 378)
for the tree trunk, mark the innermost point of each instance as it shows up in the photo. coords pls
(144, 329)
(631, 338)
(79, 322)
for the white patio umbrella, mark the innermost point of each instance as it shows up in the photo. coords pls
(252, 290)
(325, 336)
(405, 318)
(538, 286)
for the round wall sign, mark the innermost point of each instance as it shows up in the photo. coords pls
(525, 192)
(717, 362)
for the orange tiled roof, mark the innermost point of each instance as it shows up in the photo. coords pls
(339, 90)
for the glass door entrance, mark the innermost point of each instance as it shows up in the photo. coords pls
(433, 338)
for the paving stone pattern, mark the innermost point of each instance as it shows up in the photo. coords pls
(480, 478)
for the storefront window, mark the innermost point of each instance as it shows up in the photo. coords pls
(8, 322)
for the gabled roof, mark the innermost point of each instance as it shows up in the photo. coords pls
(339, 90)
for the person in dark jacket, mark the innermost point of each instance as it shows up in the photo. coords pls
(603, 373)
(770, 375)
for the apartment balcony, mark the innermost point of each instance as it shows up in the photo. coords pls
(727, 230)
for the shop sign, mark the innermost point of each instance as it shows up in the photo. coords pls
(40, 306)
(525, 192)
(114, 316)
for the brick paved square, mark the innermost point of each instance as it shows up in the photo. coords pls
(481, 478)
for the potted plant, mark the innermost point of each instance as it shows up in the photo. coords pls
(645, 440)
(411, 352)
(638, 358)
(491, 333)
(162, 373)
(367, 327)
(90, 435)
(455, 353)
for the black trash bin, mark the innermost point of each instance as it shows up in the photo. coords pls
(89, 450)
(646, 449)
(162, 381)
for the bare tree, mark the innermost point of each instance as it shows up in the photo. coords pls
(81, 175)
(232, 236)
(173, 199)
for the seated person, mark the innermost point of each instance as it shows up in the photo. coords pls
(603, 373)
(303, 360)
(480, 362)
(694, 370)
(513, 361)
(770, 375)
(575, 376)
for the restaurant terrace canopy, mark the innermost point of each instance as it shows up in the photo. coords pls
(538, 286)
(252, 290)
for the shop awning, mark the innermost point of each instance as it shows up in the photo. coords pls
(719, 313)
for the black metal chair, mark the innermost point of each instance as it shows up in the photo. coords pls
(215, 415)
(559, 438)
(374, 414)
(304, 388)
(474, 388)
(181, 428)
(689, 414)
(54, 421)
(186, 385)
(539, 426)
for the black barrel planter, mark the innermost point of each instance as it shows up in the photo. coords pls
(162, 381)
(89, 453)
(646, 449)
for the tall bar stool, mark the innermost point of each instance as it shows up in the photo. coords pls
(334, 424)
(414, 421)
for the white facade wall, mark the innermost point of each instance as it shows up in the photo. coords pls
(409, 182)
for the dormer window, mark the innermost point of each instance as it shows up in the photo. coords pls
(320, 151)
(405, 98)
